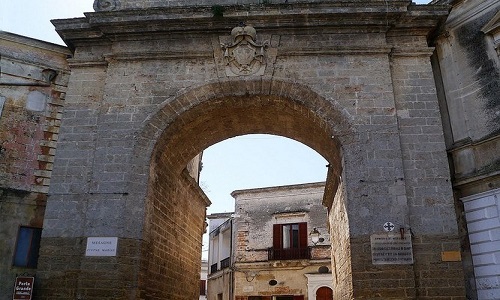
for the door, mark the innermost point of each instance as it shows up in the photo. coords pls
(324, 293)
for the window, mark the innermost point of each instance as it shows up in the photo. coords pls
(289, 241)
(27, 246)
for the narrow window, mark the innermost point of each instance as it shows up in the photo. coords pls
(27, 246)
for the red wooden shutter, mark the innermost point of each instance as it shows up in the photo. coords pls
(202, 287)
(277, 236)
(298, 297)
(303, 235)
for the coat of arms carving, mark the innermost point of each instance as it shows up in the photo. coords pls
(244, 56)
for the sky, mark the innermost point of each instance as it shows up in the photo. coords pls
(250, 161)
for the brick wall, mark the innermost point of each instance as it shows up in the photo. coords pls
(174, 228)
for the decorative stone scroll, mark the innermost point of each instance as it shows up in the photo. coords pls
(244, 56)
(106, 5)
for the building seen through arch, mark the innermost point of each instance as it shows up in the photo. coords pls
(265, 249)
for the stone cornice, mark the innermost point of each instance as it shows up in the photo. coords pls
(463, 12)
(116, 5)
(105, 27)
(35, 43)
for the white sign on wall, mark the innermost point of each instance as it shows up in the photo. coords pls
(390, 249)
(101, 246)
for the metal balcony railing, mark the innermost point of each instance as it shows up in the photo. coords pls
(290, 253)
(213, 268)
(225, 263)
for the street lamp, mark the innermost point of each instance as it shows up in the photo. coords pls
(315, 236)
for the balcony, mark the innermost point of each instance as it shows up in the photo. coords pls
(213, 268)
(290, 253)
(225, 263)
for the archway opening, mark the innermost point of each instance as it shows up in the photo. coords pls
(175, 205)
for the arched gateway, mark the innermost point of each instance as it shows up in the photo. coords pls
(152, 86)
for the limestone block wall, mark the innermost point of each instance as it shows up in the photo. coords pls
(429, 194)
(341, 255)
(148, 93)
(467, 70)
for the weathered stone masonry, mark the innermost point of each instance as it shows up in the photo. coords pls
(33, 80)
(149, 91)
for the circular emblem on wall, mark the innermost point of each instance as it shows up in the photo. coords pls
(388, 226)
(106, 5)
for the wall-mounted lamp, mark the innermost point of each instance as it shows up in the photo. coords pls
(315, 236)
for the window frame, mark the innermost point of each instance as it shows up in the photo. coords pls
(30, 260)
(278, 235)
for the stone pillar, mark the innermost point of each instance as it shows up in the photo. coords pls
(432, 218)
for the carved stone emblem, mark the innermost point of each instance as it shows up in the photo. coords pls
(106, 5)
(244, 56)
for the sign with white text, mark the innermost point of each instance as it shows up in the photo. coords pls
(391, 249)
(23, 289)
(101, 246)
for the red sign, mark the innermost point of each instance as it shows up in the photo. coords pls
(23, 289)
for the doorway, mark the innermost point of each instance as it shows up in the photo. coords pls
(324, 293)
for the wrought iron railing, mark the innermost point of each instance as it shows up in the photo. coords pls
(213, 268)
(225, 263)
(290, 253)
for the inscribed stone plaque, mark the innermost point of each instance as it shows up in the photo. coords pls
(101, 246)
(391, 249)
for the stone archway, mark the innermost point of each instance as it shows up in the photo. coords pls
(149, 91)
(175, 199)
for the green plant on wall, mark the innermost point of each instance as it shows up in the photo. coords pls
(218, 11)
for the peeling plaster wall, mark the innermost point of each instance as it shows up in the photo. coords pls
(31, 100)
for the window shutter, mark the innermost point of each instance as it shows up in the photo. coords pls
(298, 297)
(277, 236)
(303, 235)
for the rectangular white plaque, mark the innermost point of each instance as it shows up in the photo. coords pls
(391, 249)
(101, 246)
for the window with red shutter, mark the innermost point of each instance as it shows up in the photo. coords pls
(289, 241)
(203, 285)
